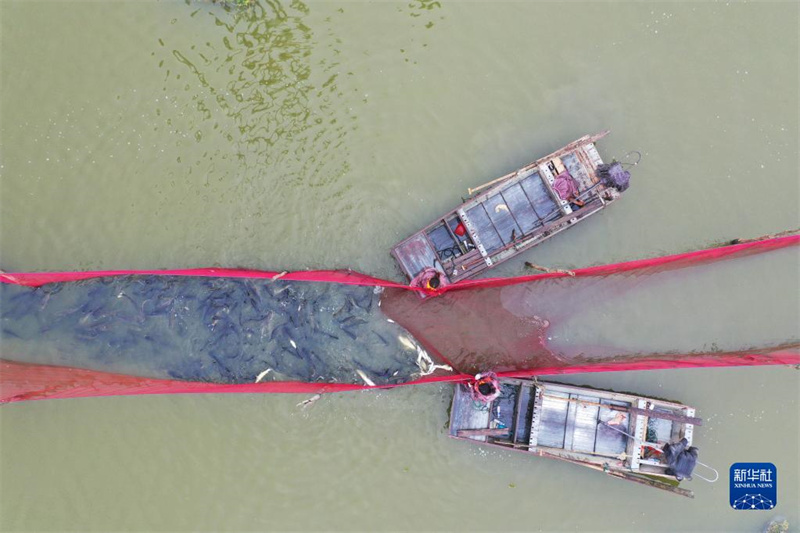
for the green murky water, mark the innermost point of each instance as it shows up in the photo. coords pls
(294, 135)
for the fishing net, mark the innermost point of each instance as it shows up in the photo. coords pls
(519, 325)
(217, 330)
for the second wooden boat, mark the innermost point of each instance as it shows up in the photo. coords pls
(621, 434)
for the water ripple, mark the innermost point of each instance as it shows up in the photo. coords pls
(278, 88)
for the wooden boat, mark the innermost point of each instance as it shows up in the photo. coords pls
(512, 214)
(616, 433)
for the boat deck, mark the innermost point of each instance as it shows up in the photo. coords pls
(569, 425)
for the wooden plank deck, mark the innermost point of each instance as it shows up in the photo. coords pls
(521, 208)
(536, 192)
(553, 421)
(608, 440)
(584, 431)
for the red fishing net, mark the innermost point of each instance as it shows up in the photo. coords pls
(488, 324)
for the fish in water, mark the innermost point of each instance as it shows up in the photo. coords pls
(363, 376)
(426, 365)
(213, 329)
(406, 342)
(305, 404)
(263, 375)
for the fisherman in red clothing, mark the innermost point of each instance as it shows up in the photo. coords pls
(485, 388)
(429, 279)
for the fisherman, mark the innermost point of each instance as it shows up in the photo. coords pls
(680, 458)
(567, 189)
(485, 388)
(429, 279)
(575, 203)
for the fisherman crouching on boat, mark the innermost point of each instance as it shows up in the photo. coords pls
(485, 388)
(680, 458)
(429, 279)
(567, 189)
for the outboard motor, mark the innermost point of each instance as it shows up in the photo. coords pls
(614, 175)
(681, 459)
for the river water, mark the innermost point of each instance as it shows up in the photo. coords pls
(293, 135)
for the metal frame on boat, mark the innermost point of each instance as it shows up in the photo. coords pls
(620, 434)
(512, 214)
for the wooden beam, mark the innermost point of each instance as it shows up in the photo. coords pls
(668, 416)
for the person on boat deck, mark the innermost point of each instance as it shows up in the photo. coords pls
(429, 279)
(567, 189)
(486, 387)
(574, 203)
(433, 282)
